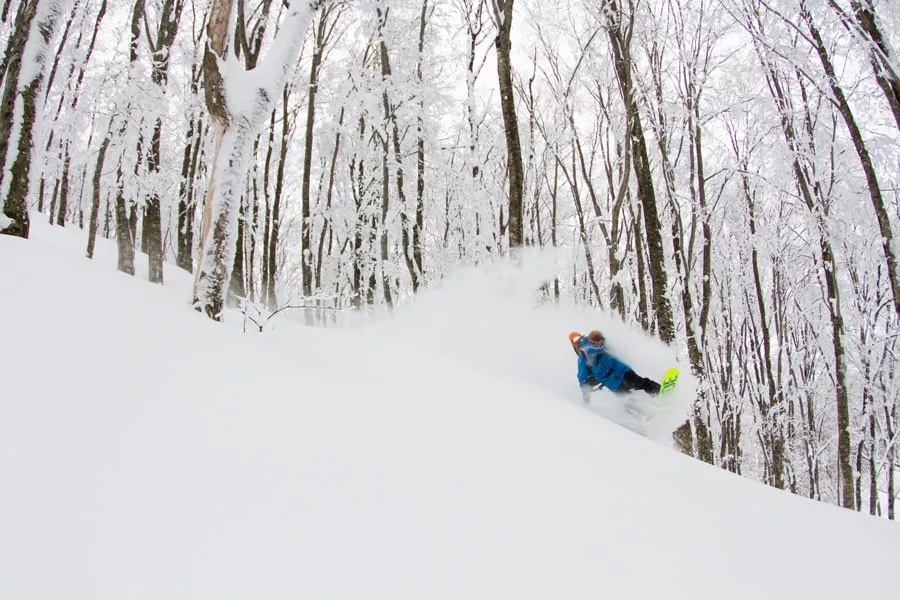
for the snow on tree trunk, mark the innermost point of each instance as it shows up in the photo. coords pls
(12, 67)
(38, 18)
(239, 102)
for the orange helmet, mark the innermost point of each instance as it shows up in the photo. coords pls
(595, 338)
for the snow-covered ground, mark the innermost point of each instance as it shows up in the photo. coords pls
(146, 452)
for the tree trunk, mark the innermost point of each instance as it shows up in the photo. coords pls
(184, 256)
(770, 408)
(151, 230)
(390, 117)
(15, 206)
(124, 232)
(641, 275)
(620, 42)
(828, 271)
(419, 222)
(15, 48)
(306, 258)
(864, 23)
(64, 188)
(865, 159)
(890, 417)
(329, 194)
(503, 44)
(271, 298)
(95, 203)
(584, 239)
(236, 286)
(233, 139)
(385, 171)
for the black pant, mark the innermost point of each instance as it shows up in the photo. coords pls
(632, 381)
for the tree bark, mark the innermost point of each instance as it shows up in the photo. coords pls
(503, 13)
(64, 188)
(152, 228)
(385, 156)
(329, 195)
(863, 21)
(862, 152)
(124, 231)
(15, 206)
(233, 136)
(620, 41)
(828, 270)
(271, 298)
(184, 256)
(15, 48)
(419, 222)
(306, 258)
(95, 204)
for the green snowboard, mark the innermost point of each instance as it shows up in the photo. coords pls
(668, 381)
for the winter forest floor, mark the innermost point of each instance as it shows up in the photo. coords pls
(442, 452)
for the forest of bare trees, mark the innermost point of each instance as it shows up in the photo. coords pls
(721, 173)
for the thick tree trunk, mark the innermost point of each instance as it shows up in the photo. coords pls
(152, 225)
(503, 44)
(15, 206)
(16, 202)
(236, 286)
(13, 67)
(233, 144)
(210, 287)
(124, 231)
(234, 136)
(620, 43)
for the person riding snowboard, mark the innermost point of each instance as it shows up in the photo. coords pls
(596, 366)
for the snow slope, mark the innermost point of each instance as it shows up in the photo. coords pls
(146, 452)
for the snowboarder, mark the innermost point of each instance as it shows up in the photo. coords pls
(596, 366)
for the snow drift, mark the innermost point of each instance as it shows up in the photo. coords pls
(147, 452)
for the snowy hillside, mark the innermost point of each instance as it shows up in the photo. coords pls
(146, 452)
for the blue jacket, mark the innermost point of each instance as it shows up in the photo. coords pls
(600, 365)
